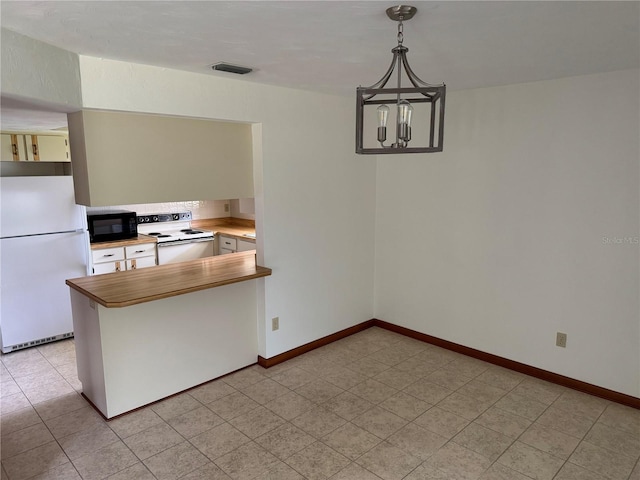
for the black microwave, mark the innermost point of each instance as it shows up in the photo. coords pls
(114, 225)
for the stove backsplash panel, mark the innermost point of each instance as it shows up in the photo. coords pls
(199, 208)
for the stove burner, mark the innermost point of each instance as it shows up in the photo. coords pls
(193, 232)
(163, 235)
(154, 234)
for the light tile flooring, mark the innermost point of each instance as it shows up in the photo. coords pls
(376, 405)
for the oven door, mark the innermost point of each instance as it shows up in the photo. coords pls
(183, 250)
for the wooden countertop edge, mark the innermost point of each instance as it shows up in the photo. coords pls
(237, 236)
(260, 272)
(122, 289)
(140, 239)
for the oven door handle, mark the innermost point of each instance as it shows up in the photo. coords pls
(184, 242)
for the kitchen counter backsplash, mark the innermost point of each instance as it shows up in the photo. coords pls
(199, 208)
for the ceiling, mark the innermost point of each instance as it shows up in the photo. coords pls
(334, 46)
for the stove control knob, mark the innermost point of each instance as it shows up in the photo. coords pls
(155, 218)
(176, 216)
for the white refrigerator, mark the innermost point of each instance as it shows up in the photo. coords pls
(43, 242)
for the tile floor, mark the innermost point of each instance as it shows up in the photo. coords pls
(373, 406)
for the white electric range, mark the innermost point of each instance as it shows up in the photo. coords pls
(177, 240)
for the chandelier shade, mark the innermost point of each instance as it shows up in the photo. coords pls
(417, 103)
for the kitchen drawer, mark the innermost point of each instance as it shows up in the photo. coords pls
(107, 255)
(224, 251)
(142, 262)
(141, 250)
(227, 243)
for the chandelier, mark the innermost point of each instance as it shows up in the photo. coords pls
(421, 103)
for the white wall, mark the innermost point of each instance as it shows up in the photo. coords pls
(315, 206)
(500, 241)
(44, 74)
(243, 208)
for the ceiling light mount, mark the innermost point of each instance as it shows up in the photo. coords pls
(405, 99)
(401, 12)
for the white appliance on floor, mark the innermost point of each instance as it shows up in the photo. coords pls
(177, 241)
(43, 242)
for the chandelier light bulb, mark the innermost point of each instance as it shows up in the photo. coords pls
(404, 120)
(383, 116)
(404, 112)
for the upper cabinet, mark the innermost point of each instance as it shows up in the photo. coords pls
(47, 148)
(13, 148)
(34, 148)
(129, 158)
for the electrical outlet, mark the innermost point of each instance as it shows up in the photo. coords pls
(561, 340)
(275, 323)
(226, 207)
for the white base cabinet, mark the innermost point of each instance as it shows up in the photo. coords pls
(107, 260)
(119, 259)
(232, 245)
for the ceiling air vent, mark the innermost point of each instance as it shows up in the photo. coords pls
(228, 67)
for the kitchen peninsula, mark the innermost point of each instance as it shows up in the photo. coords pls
(143, 335)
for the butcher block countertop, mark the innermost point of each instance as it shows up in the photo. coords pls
(122, 289)
(233, 227)
(123, 243)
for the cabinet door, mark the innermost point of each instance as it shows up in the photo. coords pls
(244, 246)
(47, 148)
(13, 148)
(108, 267)
(141, 262)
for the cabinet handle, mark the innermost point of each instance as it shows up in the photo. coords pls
(14, 147)
(139, 251)
(35, 149)
(109, 255)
